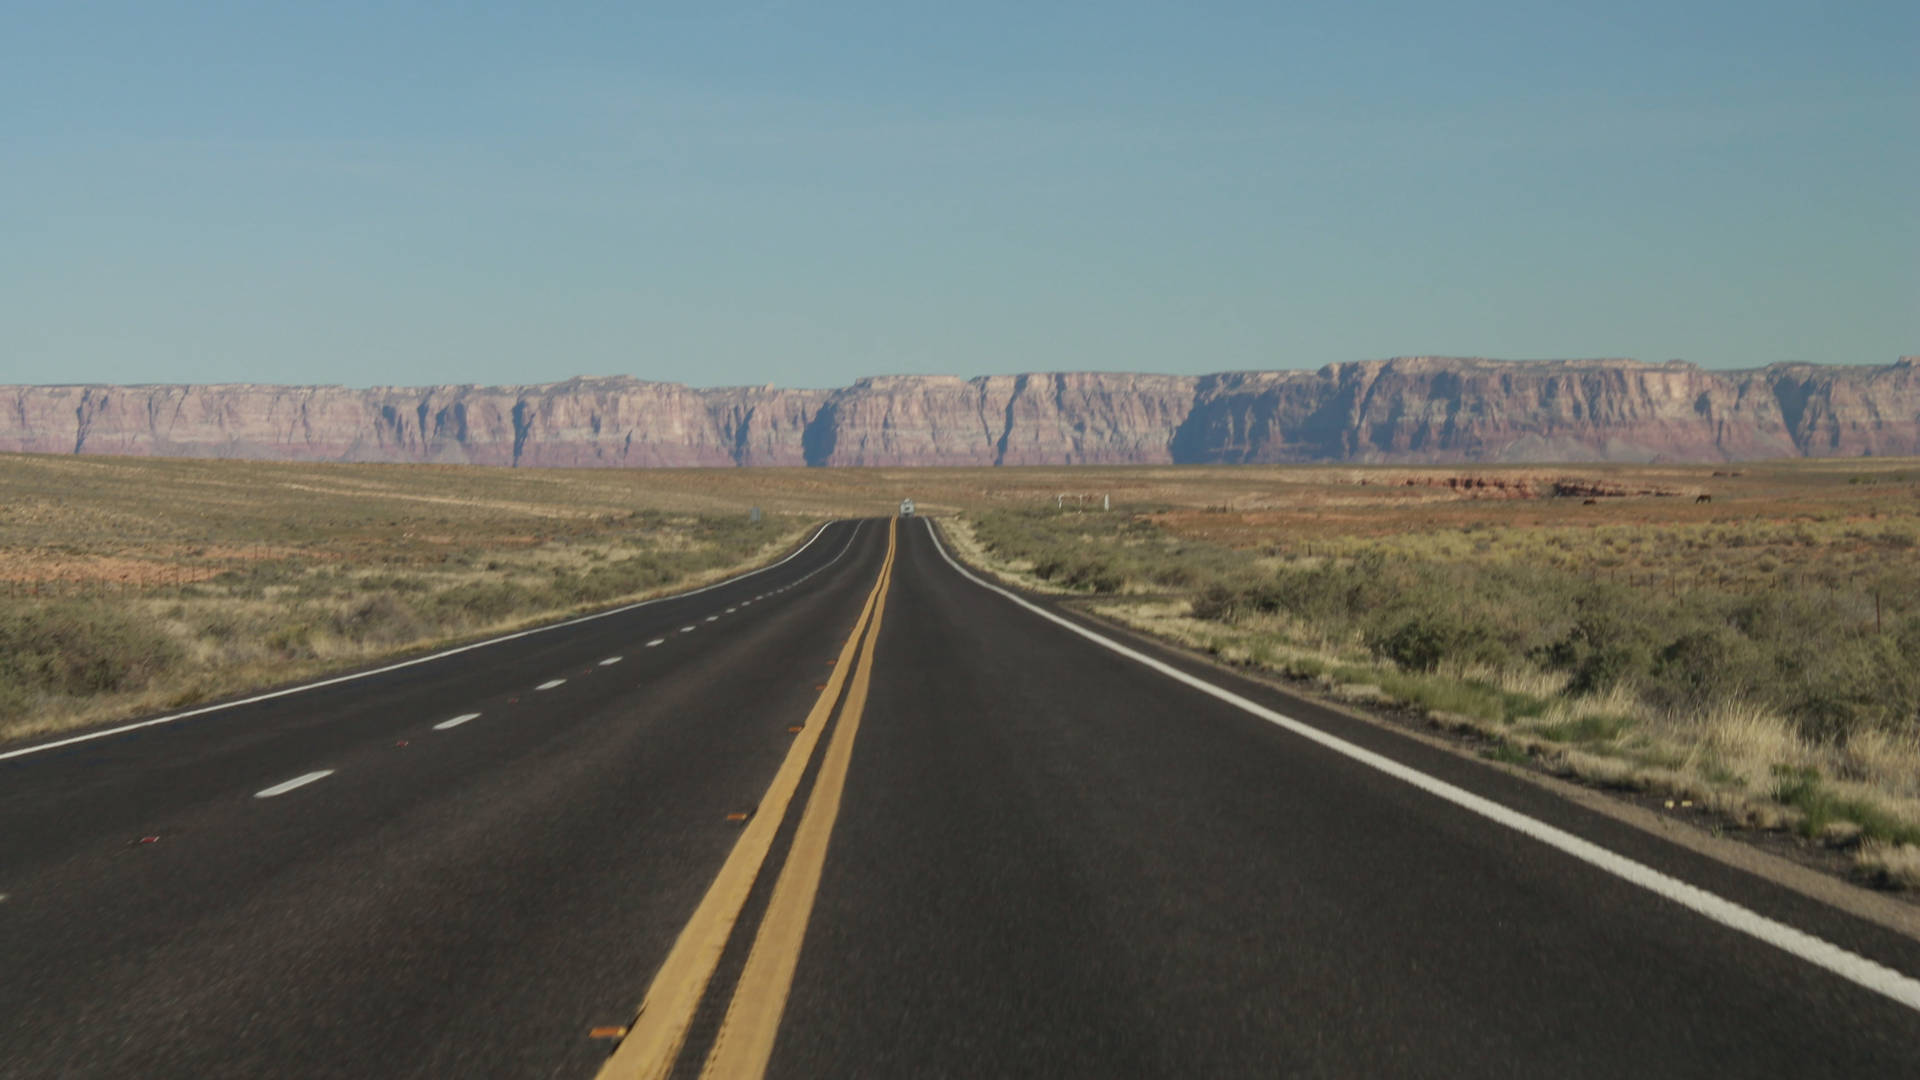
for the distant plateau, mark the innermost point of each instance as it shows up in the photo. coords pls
(1405, 410)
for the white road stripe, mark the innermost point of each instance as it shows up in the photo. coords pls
(443, 654)
(296, 782)
(550, 684)
(656, 641)
(610, 661)
(711, 618)
(731, 610)
(686, 629)
(1816, 951)
(448, 725)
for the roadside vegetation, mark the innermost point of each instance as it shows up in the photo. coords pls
(130, 586)
(1758, 657)
(1755, 654)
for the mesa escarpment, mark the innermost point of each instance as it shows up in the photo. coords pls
(1429, 410)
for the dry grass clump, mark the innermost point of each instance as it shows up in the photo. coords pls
(1889, 865)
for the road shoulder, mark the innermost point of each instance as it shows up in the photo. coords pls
(1732, 848)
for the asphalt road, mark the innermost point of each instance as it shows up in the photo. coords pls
(992, 847)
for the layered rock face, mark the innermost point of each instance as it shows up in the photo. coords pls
(1432, 409)
(1415, 409)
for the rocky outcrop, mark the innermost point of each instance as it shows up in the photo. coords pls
(1413, 409)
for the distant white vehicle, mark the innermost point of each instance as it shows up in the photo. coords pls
(906, 507)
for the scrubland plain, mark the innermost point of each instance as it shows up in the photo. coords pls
(1743, 641)
(131, 586)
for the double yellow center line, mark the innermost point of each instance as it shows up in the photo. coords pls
(745, 1042)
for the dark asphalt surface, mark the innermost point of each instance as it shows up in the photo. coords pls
(470, 904)
(1050, 861)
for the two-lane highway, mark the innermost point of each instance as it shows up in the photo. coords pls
(863, 815)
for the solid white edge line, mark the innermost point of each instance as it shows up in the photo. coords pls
(297, 782)
(610, 661)
(446, 725)
(1819, 952)
(550, 684)
(90, 736)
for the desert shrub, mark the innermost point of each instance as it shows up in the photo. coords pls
(480, 603)
(1215, 602)
(1092, 573)
(1826, 713)
(380, 619)
(15, 700)
(1423, 640)
(395, 583)
(1608, 641)
(1896, 676)
(1173, 574)
(1336, 592)
(1703, 665)
(78, 648)
(1590, 728)
(291, 641)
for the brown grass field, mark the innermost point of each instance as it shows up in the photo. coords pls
(1755, 653)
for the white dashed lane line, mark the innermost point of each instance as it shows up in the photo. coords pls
(550, 684)
(686, 629)
(296, 782)
(610, 661)
(656, 641)
(711, 618)
(448, 725)
(731, 610)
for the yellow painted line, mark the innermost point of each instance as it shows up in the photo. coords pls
(745, 1043)
(654, 1038)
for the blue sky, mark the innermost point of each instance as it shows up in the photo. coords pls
(724, 193)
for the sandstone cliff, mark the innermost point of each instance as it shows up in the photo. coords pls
(1415, 409)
